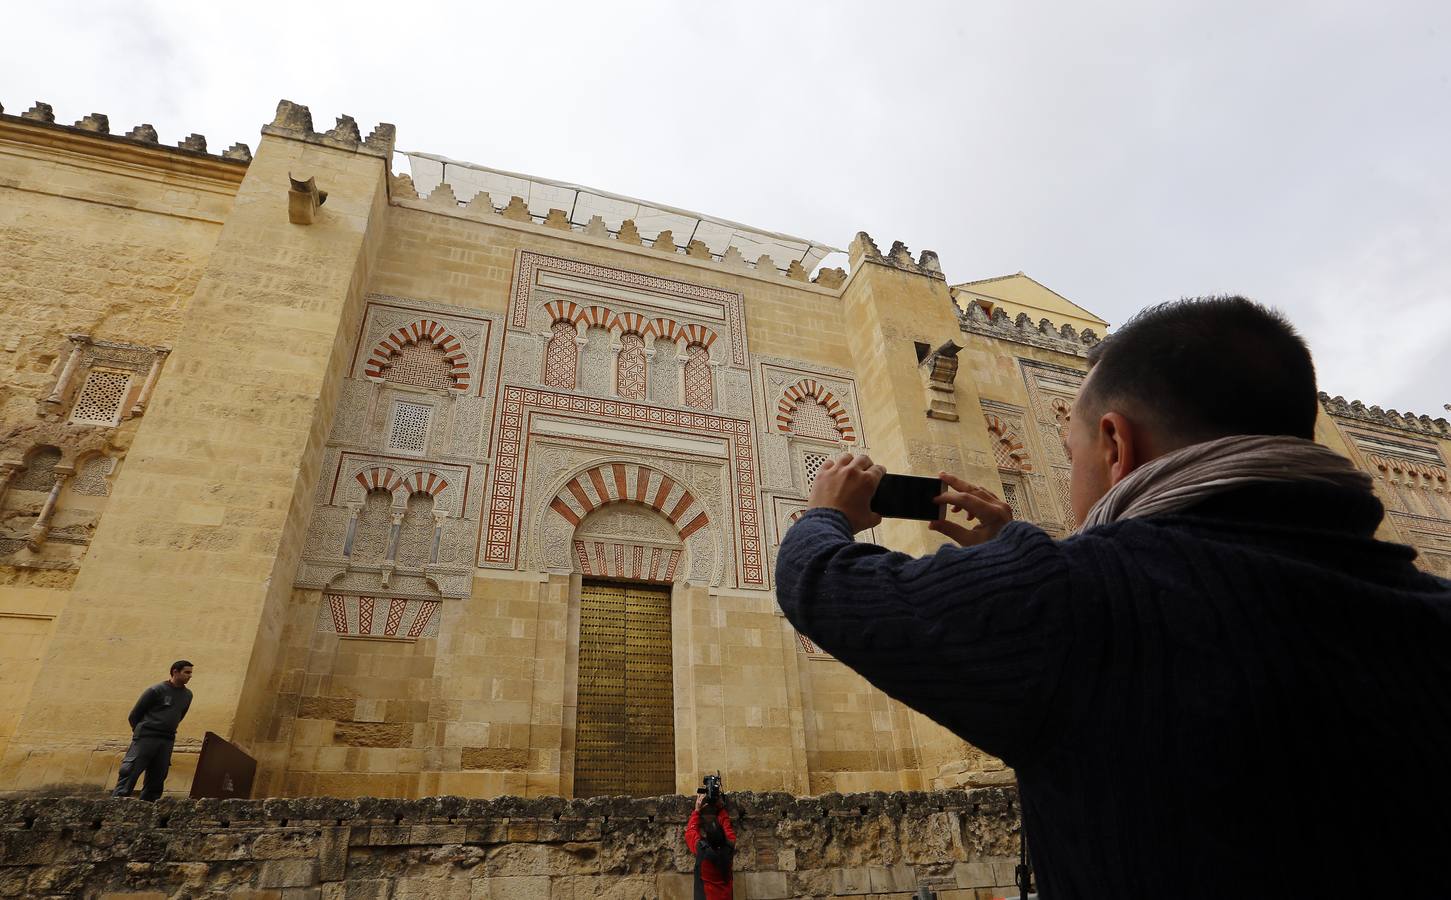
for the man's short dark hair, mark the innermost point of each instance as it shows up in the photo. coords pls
(179, 665)
(1208, 367)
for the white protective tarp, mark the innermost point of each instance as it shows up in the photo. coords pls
(583, 203)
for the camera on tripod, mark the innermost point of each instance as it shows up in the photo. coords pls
(711, 788)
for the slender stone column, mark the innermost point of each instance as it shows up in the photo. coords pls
(393, 538)
(145, 396)
(352, 531)
(41, 528)
(7, 475)
(78, 344)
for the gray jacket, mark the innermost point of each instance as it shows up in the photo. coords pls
(159, 711)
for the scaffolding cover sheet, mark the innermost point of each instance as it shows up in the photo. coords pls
(582, 203)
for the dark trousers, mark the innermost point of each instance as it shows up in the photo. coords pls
(151, 755)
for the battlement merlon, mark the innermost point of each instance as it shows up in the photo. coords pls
(293, 120)
(864, 250)
(98, 125)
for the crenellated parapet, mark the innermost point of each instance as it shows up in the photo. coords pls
(293, 120)
(480, 207)
(144, 134)
(998, 324)
(864, 250)
(1354, 409)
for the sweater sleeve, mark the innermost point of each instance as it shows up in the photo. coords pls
(975, 638)
(143, 705)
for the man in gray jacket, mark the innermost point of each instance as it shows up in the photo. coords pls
(153, 733)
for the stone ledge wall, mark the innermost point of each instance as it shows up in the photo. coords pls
(961, 844)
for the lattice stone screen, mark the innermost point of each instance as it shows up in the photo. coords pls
(812, 464)
(91, 479)
(1010, 495)
(812, 420)
(100, 398)
(422, 365)
(410, 427)
(39, 472)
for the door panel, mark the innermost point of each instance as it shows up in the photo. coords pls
(625, 727)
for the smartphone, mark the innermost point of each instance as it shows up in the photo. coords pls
(908, 497)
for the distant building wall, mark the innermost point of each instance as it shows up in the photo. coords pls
(362, 462)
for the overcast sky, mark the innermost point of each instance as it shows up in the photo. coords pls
(1122, 153)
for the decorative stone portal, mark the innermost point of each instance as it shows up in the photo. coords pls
(625, 727)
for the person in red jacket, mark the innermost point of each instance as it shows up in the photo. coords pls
(712, 841)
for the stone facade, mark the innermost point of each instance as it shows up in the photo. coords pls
(961, 845)
(361, 456)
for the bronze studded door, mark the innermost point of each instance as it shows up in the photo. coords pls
(625, 725)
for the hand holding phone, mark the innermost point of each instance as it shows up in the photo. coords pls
(909, 497)
(990, 511)
(845, 484)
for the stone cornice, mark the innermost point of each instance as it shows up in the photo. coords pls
(1341, 408)
(975, 320)
(125, 151)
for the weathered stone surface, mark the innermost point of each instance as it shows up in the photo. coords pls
(371, 734)
(336, 708)
(494, 758)
(279, 873)
(456, 848)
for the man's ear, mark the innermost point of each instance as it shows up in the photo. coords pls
(1119, 443)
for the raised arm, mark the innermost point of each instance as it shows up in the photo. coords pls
(976, 638)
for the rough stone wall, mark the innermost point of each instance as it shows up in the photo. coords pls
(103, 237)
(962, 845)
(188, 561)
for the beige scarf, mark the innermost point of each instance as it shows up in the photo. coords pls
(1178, 480)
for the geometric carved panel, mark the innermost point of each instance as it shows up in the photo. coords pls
(622, 559)
(357, 616)
(630, 381)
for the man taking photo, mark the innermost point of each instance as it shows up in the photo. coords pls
(154, 720)
(1223, 684)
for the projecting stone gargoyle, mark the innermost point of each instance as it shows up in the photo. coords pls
(303, 199)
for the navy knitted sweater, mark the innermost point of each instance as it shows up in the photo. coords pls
(1248, 699)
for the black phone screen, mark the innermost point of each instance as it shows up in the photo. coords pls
(908, 497)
